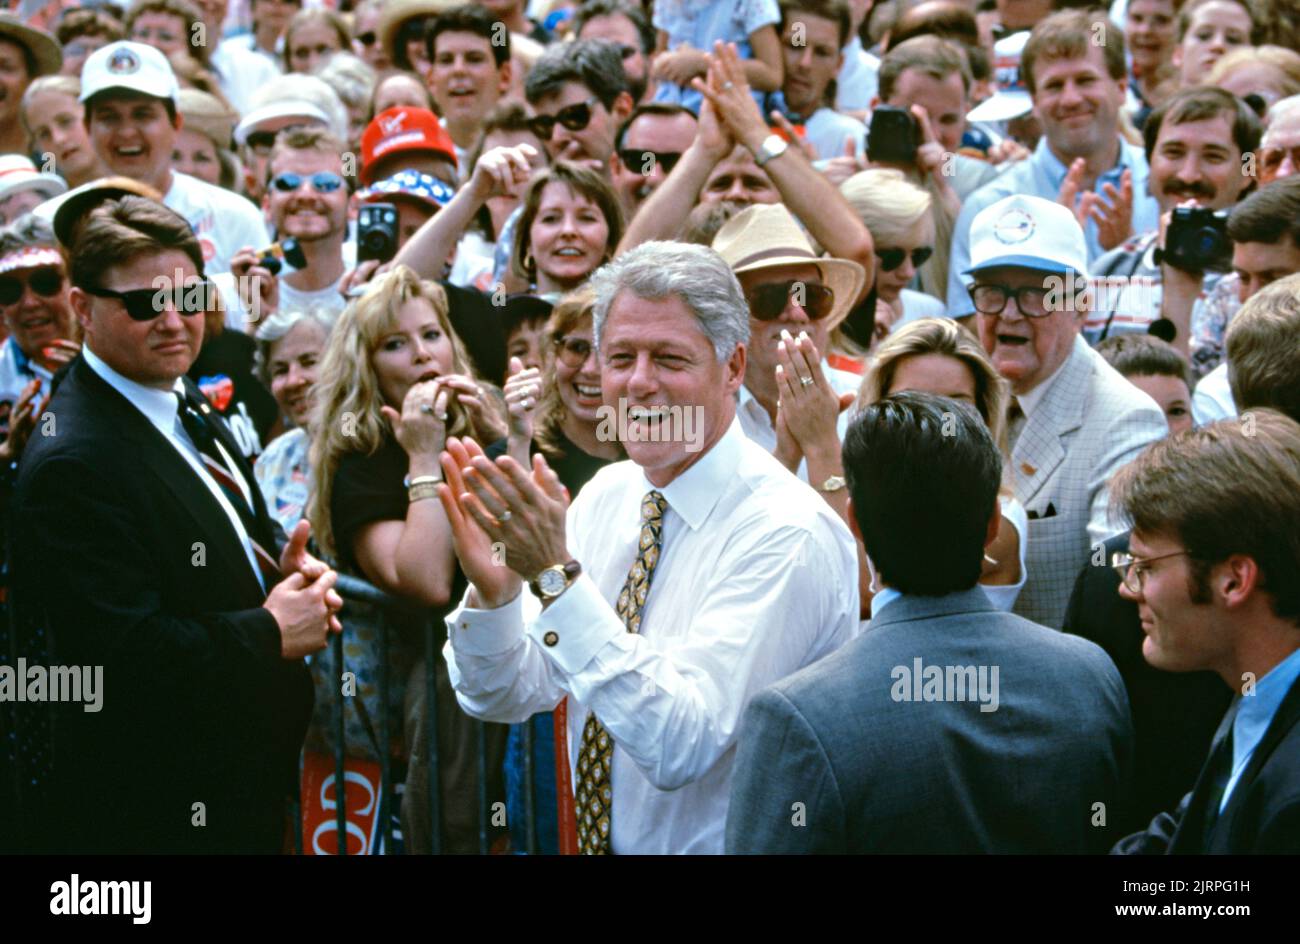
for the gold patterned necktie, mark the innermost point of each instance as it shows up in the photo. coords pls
(594, 790)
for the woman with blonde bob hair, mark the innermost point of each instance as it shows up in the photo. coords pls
(937, 355)
(899, 215)
(394, 384)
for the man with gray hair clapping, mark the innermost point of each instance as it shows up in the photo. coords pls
(679, 584)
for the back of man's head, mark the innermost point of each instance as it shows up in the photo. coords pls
(595, 63)
(1269, 215)
(923, 475)
(1263, 346)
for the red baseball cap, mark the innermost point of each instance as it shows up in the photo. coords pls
(403, 129)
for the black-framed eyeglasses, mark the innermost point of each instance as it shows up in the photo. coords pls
(989, 299)
(573, 351)
(324, 182)
(574, 117)
(1133, 570)
(146, 304)
(891, 259)
(643, 161)
(766, 302)
(46, 282)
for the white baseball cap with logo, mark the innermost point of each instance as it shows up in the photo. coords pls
(1028, 232)
(132, 67)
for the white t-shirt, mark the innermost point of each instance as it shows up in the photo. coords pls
(224, 221)
(1212, 399)
(241, 72)
(291, 299)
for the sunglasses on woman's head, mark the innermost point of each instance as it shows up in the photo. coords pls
(766, 302)
(324, 182)
(45, 282)
(891, 259)
(146, 304)
(574, 117)
(573, 351)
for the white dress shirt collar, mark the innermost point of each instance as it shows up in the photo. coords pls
(158, 406)
(695, 492)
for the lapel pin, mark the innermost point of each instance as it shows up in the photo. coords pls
(1026, 468)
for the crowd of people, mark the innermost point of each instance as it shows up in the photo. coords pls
(808, 425)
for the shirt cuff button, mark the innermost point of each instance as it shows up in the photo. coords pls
(551, 638)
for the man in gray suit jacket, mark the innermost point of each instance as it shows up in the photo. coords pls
(1074, 421)
(949, 726)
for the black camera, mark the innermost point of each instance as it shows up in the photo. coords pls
(376, 232)
(286, 250)
(892, 137)
(1197, 240)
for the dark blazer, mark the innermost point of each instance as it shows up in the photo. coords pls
(1263, 811)
(832, 759)
(123, 557)
(1175, 714)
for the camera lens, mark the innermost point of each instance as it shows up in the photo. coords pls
(376, 240)
(1209, 242)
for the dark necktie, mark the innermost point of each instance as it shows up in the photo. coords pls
(1217, 777)
(200, 433)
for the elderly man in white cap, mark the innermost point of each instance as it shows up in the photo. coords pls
(130, 94)
(1074, 420)
(792, 403)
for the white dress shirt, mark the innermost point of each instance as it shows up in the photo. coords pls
(161, 410)
(758, 426)
(756, 579)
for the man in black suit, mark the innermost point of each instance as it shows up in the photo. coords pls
(948, 726)
(140, 545)
(1215, 573)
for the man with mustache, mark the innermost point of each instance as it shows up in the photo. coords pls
(1195, 144)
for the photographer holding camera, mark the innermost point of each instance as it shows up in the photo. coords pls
(1195, 145)
(307, 201)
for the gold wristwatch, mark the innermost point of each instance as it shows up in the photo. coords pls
(553, 581)
(832, 484)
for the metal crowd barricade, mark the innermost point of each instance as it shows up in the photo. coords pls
(386, 605)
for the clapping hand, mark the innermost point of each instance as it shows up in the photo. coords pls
(1114, 219)
(808, 405)
(522, 391)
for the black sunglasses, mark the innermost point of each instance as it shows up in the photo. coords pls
(46, 282)
(324, 182)
(573, 351)
(146, 304)
(642, 161)
(891, 259)
(367, 38)
(262, 141)
(766, 302)
(574, 117)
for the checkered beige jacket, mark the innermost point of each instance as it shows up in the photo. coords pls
(1089, 424)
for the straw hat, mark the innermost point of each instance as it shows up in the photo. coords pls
(207, 115)
(765, 236)
(397, 12)
(43, 47)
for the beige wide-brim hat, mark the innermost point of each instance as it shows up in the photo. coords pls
(44, 47)
(397, 12)
(207, 115)
(765, 236)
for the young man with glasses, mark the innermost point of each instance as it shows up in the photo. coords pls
(130, 94)
(148, 551)
(580, 95)
(1074, 419)
(1215, 573)
(647, 148)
